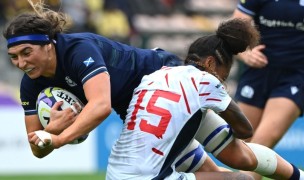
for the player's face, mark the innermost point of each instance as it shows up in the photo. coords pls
(34, 60)
(222, 71)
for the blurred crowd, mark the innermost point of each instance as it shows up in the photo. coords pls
(128, 21)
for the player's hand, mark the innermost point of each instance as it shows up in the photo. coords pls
(255, 58)
(40, 138)
(43, 139)
(61, 119)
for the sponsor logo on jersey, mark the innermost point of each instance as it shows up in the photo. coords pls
(247, 91)
(218, 85)
(88, 61)
(25, 103)
(294, 90)
(70, 82)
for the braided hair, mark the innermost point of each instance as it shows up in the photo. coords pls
(231, 37)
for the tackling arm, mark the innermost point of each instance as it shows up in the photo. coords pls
(98, 108)
(238, 122)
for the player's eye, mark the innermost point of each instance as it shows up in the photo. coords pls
(13, 57)
(26, 53)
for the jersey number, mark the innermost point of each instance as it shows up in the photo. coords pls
(165, 114)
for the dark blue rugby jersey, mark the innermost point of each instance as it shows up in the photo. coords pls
(281, 23)
(81, 56)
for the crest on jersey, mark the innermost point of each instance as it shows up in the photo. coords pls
(88, 61)
(218, 85)
(247, 92)
(70, 82)
(294, 90)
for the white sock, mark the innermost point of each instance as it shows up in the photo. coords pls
(301, 174)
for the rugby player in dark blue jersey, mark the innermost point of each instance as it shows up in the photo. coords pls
(85, 64)
(271, 88)
(102, 73)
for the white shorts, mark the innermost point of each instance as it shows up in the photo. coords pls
(181, 176)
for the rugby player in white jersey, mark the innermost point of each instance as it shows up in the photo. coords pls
(168, 111)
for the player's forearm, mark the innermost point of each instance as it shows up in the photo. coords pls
(90, 117)
(238, 122)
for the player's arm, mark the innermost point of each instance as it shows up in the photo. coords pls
(238, 122)
(98, 108)
(224, 105)
(32, 124)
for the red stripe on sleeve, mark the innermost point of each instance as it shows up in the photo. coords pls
(166, 77)
(204, 94)
(213, 99)
(205, 83)
(185, 98)
(193, 82)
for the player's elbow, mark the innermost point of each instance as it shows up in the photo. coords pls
(104, 111)
(39, 154)
(107, 110)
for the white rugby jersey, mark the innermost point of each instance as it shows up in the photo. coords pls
(163, 117)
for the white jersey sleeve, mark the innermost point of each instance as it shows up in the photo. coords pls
(212, 93)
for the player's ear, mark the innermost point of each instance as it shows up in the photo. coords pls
(210, 63)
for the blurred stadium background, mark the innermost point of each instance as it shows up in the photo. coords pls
(169, 24)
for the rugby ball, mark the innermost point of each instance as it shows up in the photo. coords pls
(48, 97)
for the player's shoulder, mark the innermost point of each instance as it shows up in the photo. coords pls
(183, 69)
(75, 36)
(251, 7)
(73, 40)
(187, 70)
(192, 70)
(26, 81)
(74, 46)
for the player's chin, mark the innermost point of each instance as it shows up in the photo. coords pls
(34, 74)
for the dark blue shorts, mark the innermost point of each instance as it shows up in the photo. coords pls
(256, 86)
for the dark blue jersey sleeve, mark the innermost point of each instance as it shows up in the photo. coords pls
(249, 7)
(85, 61)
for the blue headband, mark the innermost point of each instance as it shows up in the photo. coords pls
(31, 38)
